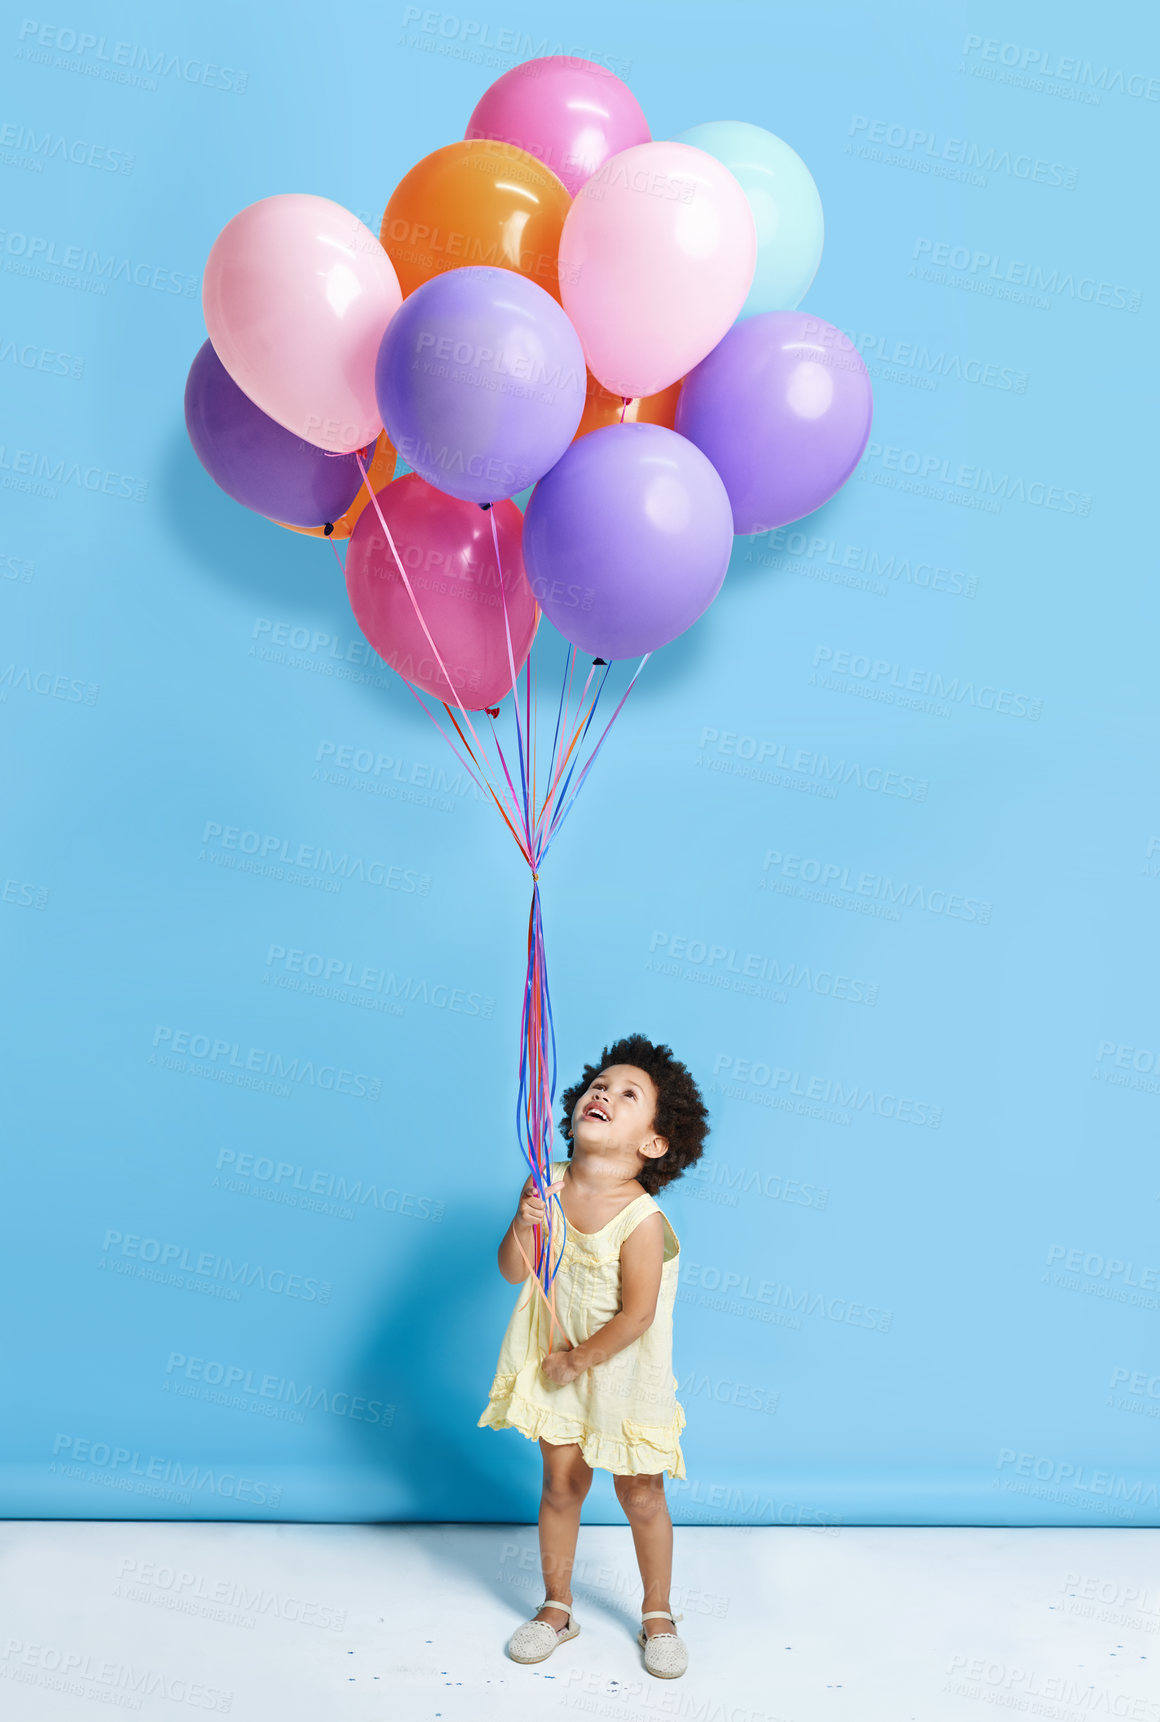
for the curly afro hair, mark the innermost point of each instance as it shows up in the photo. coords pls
(681, 1115)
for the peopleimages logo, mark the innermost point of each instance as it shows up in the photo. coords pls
(1068, 1474)
(94, 1675)
(784, 1086)
(473, 36)
(649, 183)
(755, 966)
(115, 61)
(929, 151)
(754, 757)
(266, 852)
(1068, 68)
(1109, 1269)
(523, 367)
(178, 1258)
(882, 675)
(880, 887)
(927, 365)
(722, 1182)
(975, 480)
(725, 1503)
(35, 249)
(51, 684)
(316, 641)
(23, 893)
(30, 357)
(126, 1463)
(280, 1389)
(47, 146)
(735, 1286)
(860, 559)
(443, 248)
(366, 762)
(337, 975)
(38, 471)
(1037, 278)
(228, 1056)
(299, 1186)
(233, 1602)
(452, 461)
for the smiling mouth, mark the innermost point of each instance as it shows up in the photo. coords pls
(595, 1110)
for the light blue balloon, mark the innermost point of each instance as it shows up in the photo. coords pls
(787, 211)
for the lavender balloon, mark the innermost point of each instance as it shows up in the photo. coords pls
(627, 539)
(481, 382)
(256, 460)
(782, 407)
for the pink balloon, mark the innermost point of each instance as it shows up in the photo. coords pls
(447, 549)
(656, 259)
(297, 294)
(570, 114)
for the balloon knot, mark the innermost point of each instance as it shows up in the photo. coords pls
(492, 711)
(485, 506)
(328, 529)
(600, 660)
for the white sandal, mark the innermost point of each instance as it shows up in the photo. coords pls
(536, 1639)
(665, 1653)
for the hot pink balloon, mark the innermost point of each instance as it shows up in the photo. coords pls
(447, 549)
(656, 259)
(297, 294)
(570, 114)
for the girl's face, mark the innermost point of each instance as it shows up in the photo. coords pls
(616, 1110)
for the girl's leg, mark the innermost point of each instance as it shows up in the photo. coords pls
(567, 1480)
(647, 1511)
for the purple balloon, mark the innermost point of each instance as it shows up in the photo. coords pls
(627, 539)
(481, 382)
(257, 461)
(782, 407)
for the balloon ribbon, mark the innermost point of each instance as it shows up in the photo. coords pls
(533, 816)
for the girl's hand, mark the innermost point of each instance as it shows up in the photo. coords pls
(561, 1366)
(531, 1209)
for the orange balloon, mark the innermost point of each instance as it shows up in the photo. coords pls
(602, 408)
(380, 471)
(479, 202)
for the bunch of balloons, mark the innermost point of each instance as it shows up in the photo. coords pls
(559, 300)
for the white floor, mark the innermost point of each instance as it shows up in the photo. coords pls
(325, 1623)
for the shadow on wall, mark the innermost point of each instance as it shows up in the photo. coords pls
(245, 552)
(432, 1356)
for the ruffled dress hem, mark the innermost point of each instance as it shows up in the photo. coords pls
(646, 1448)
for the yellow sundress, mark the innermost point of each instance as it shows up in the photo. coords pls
(623, 1413)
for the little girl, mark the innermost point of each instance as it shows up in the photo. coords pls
(605, 1394)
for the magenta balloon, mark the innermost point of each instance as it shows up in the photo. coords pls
(782, 407)
(447, 548)
(627, 539)
(570, 114)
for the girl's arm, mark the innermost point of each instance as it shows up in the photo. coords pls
(641, 1260)
(529, 1213)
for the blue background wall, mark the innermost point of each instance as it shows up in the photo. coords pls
(921, 1273)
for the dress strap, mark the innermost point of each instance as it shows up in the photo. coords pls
(639, 1210)
(632, 1214)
